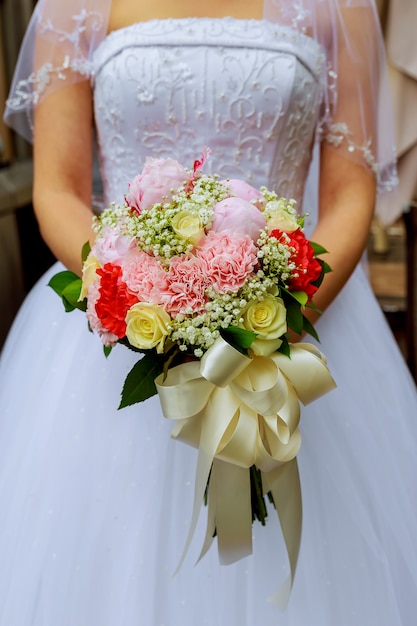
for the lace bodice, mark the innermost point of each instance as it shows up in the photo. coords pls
(250, 90)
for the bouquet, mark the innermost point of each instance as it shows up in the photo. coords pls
(205, 278)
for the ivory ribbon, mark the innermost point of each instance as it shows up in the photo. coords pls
(240, 411)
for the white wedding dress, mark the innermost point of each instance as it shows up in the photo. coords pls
(95, 503)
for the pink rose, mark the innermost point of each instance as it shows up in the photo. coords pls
(229, 260)
(238, 216)
(241, 189)
(158, 179)
(111, 246)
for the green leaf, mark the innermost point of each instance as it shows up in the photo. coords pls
(68, 286)
(309, 328)
(140, 382)
(318, 282)
(71, 294)
(238, 337)
(318, 249)
(289, 296)
(86, 249)
(300, 296)
(125, 342)
(284, 347)
(325, 266)
(312, 305)
(68, 306)
(61, 280)
(294, 316)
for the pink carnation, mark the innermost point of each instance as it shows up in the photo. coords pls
(111, 246)
(186, 287)
(238, 216)
(229, 260)
(155, 183)
(144, 275)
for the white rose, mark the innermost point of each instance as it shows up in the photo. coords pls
(147, 326)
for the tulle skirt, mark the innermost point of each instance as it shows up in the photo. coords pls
(95, 503)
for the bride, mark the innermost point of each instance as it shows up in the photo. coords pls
(95, 503)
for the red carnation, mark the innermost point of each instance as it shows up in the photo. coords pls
(115, 299)
(308, 269)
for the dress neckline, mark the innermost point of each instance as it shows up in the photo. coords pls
(183, 20)
(177, 27)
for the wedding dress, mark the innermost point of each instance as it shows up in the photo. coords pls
(95, 503)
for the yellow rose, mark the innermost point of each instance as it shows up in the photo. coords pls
(280, 219)
(147, 326)
(188, 226)
(267, 318)
(89, 275)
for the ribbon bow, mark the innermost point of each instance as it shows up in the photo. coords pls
(241, 411)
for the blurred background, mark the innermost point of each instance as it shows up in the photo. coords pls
(392, 255)
(23, 255)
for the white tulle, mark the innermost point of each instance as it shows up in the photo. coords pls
(96, 503)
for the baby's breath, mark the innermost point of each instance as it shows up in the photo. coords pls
(153, 228)
(154, 233)
(115, 216)
(274, 257)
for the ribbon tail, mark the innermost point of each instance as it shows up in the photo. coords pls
(216, 418)
(203, 470)
(284, 484)
(211, 519)
(233, 511)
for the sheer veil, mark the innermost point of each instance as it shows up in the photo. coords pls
(356, 115)
(56, 51)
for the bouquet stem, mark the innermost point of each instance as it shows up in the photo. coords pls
(259, 510)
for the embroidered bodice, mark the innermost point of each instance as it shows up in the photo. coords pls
(249, 90)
